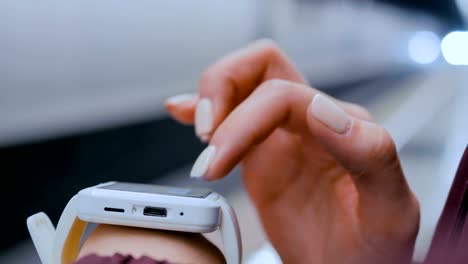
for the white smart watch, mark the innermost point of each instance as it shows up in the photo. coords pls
(139, 205)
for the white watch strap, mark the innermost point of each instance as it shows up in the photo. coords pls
(230, 233)
(42, 232)
(68, 235)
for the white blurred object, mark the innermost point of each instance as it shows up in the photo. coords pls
(424, 47)
(455, 48)
(72, 66)
(264, 255)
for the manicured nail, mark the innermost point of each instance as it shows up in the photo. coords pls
(177, 99)
(203, 118)
(203, 162)
(330, 114)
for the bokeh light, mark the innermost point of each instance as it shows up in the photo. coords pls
(455, 48)
(424, 47)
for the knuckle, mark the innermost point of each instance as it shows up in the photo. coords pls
(384, 151)
(215, 75)
(207, 75)
(270, 48)
(279, 90)
(276, 87)
(375, 152)
(277, 84)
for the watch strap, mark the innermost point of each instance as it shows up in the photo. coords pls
(68, 235)
(230, 233)
(42, 232)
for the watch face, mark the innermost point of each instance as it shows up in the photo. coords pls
(158, 189)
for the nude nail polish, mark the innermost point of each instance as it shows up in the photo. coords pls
(204, 118)
(177, 99)
(330, 114)
(203, 162)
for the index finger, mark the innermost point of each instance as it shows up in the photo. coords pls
(233, 78)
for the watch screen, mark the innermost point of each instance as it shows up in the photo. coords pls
(158, 189)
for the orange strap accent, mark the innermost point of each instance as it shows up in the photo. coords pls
(71, 247)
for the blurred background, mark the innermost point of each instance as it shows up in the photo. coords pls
(82, 85)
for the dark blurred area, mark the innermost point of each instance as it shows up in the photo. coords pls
(42, 170)
(45, 175)
(446, 11)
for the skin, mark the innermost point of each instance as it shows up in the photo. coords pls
(176, 247)
(322, 196)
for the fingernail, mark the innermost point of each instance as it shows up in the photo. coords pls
(203, 118)
(330, 114)
(203, 162)
(177, 99)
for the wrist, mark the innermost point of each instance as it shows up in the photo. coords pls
(177, 247)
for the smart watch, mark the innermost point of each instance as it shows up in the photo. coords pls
(139, 205)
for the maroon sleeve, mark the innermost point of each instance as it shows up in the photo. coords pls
(117, 259)
(450, 241)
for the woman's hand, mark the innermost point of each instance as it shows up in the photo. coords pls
(325, 179)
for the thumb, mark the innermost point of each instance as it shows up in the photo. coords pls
(365, 150)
